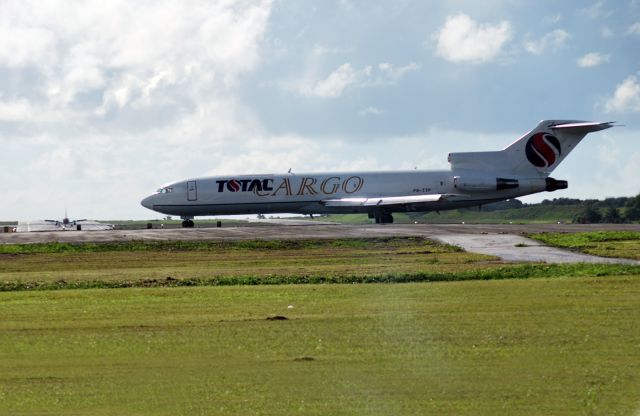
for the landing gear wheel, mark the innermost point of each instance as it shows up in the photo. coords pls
(188, 224)
(384, 218)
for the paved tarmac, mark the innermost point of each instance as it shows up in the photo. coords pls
(506, 241)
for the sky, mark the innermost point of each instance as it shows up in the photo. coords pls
(101, 102)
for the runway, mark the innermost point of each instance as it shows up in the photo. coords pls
(506, 241)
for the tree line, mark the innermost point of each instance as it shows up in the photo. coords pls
(609, 210)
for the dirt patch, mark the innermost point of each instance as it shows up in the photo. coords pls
(277, 318)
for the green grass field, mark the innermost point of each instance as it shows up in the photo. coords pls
(559, 346)
(493, 339)
(209, 263)
(622, 244)
(146, 261)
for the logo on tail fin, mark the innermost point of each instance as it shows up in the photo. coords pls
(542, 150)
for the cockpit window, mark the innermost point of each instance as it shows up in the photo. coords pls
(165, 190)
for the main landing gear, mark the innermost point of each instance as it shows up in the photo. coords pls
(382, 217)
(187, 223)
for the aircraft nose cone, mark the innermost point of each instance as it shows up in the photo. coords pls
(147, 202)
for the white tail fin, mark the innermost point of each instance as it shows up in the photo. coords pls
(537, 153)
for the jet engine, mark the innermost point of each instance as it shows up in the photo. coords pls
(475, 184)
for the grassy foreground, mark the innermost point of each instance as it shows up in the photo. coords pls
(206, 263)
(558, 346)
(622, 244)
(550, 339)
(131, 263)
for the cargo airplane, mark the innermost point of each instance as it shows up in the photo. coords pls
(474, 179)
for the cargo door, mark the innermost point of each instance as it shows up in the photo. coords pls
(192, 191)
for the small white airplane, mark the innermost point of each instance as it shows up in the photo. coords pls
(62, 225)
(475, 178)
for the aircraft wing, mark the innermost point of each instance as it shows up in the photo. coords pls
(387, 200)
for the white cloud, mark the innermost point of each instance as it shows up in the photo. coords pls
(608, 151)
(631, 169)
(16, 110)
(130, 53)
(461, 39)
(626, 97)
(606, 32)
(553, 18)
(373, 111)
(634, 29)
(334, 84)
(24, 45)
(614, 166)
(321, 50)
(21, 110)
(98, 93)
(265, 153)
(390, 74)
(552, 40)
(346, 76)
(592, 59)
(596, 10)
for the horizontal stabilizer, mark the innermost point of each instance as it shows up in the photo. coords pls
(385, 201)
(583, 128)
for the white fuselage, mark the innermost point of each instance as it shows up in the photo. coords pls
(304, 193)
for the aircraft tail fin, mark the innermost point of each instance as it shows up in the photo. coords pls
(537, 153)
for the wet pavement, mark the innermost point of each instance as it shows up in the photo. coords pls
(517, 248)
